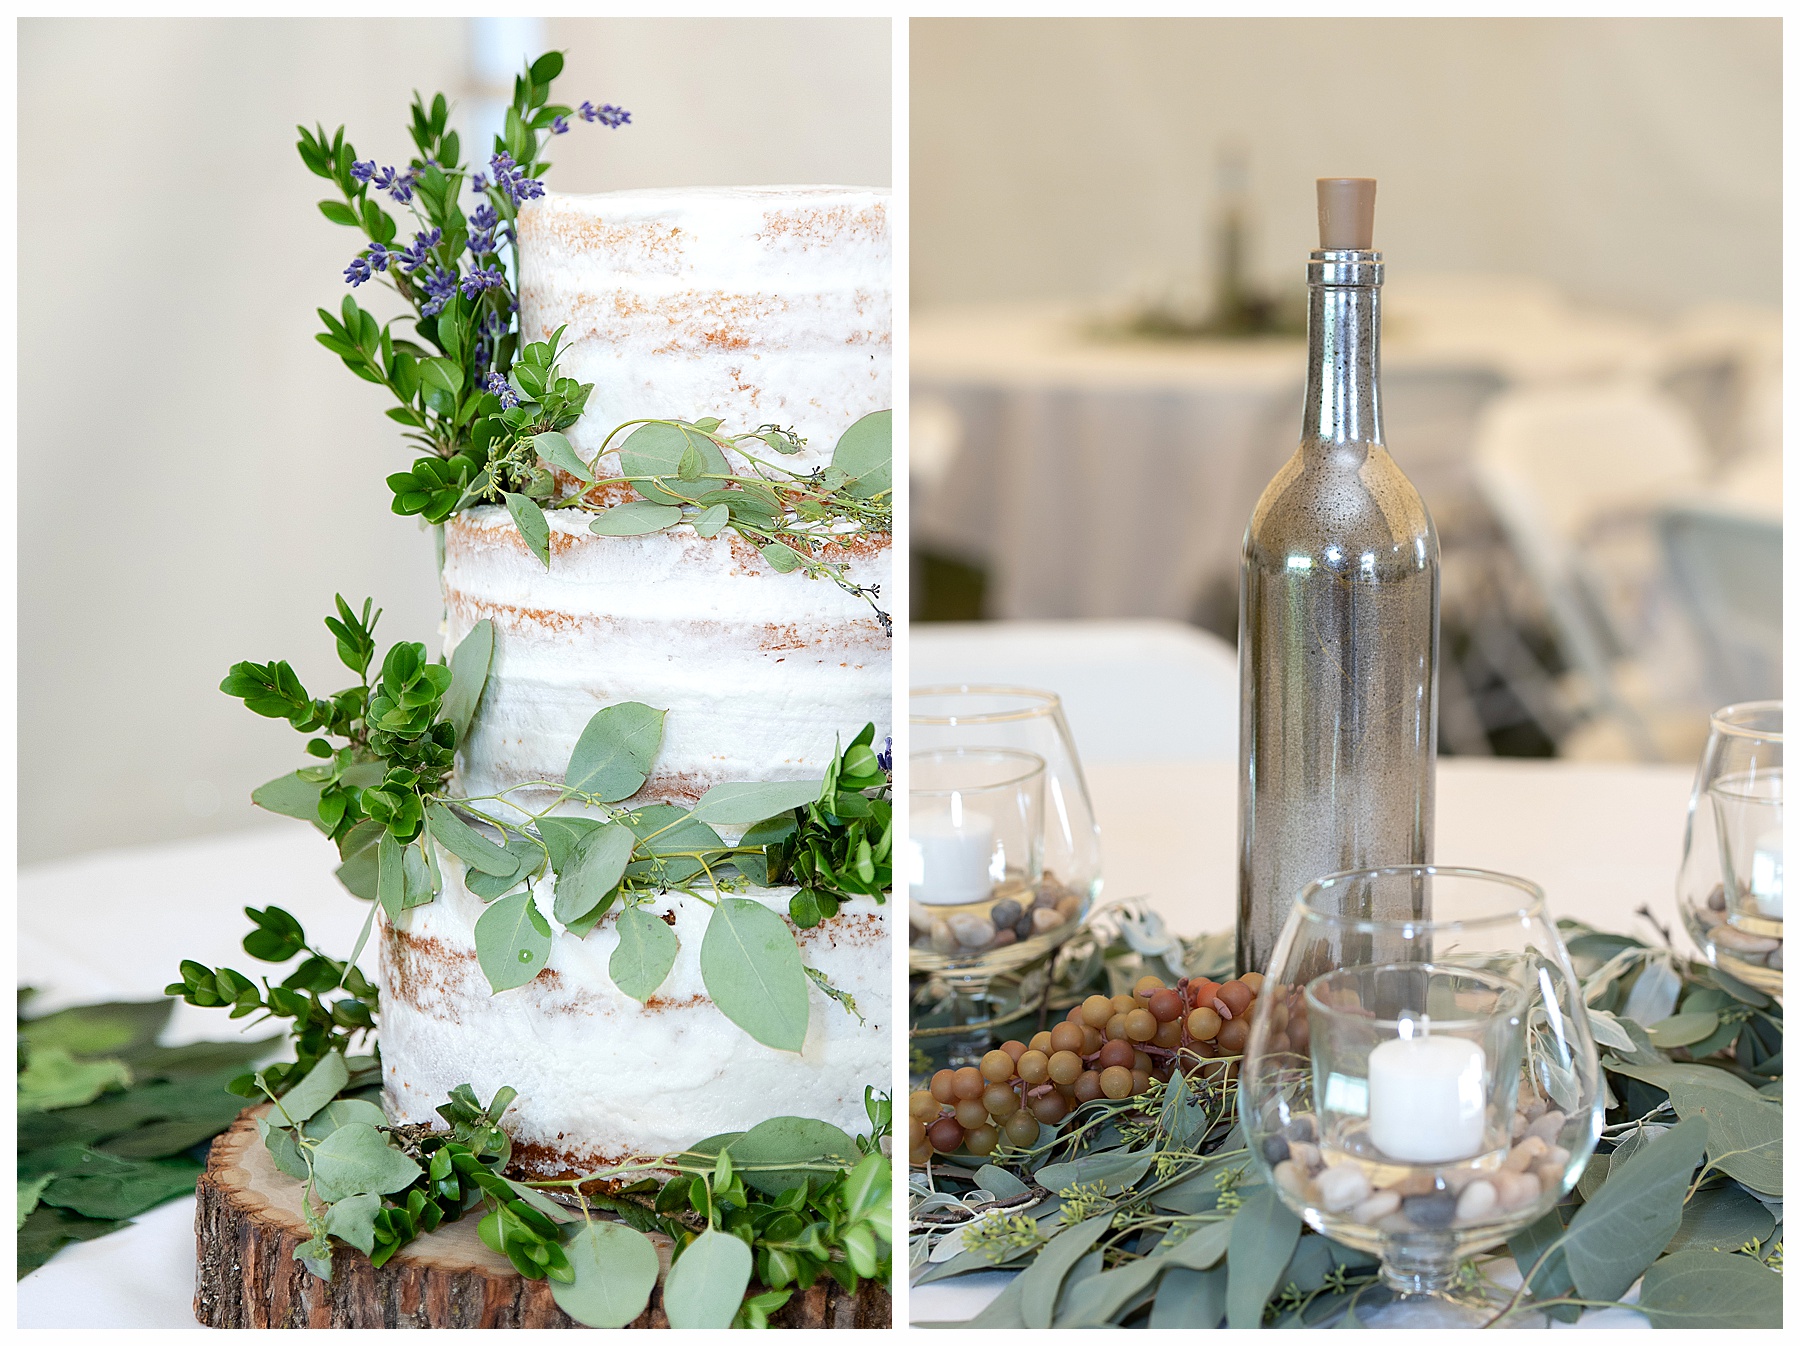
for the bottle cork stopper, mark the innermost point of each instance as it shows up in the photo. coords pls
(1347, 214)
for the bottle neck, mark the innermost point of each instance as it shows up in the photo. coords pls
(1343, 338)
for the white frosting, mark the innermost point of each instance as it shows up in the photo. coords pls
(600, 1076)
(759, 672)
(757, 305)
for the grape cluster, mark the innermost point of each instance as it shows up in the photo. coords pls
(1108, 1047)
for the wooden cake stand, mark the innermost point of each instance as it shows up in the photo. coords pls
(249, 1219)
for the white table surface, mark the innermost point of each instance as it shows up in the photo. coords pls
(1601, 839)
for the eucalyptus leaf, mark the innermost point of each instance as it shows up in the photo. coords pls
(1094, 1301)
(107, 1187)
(356, 1158)
(1117, 1170)
(1264, 1233)
(656, 449)
(613, 756)
(740, 803)
(532, 524)
(390, 883)
(635, 518)
(593, 872)
(711, 520)
(468, 845)
(1040, 1284)
(1722, 1219)
(562, 836)
(707, 1282)
(865, 454)
(645, 953)
(353, 1221)
(1654, 993)
(313, 1091)
(1711, 1291)
(54, 1079)
(789, 1140)
(1189, 1299)
(341, 1112)
(1199, 1250)
(781, 556)
(1743, 1128)
(753, 972)
(1685, 1029)
(1631, 1219)
(283, 1149)
(1002, 1185)
(512, 940)
(291, 797)
(615, 1270)
(554, 448)
(469, 666)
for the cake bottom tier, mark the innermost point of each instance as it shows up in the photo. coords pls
(601, 1077)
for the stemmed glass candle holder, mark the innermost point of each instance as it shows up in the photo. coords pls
(1420, 1088)
(975, 843)
(1731, 869)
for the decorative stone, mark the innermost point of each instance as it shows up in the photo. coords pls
(943, 940)
(1376, 1207)
(1045, 919)
(1774, 960)
(1292, 1180)
(918, 915)
(1046, 897)
(1741, 941)
(1416, 1184)
(1004, 937)
(1716, 898)
(1519, 1123)
(1557, 1157)
(1534, 1109)
(1275, 1149)
(972, 932)
(1477, 1201)
(1341, 1186)
(1023, 928)
(1005, 912)
(1306, 1155)
(1516, 1190)
(1547, 1127)
(1526, 1153)
(1549, 1176)
(1459, 1178)
(1069, 905)
(1302, 1128)
(1433, 1211)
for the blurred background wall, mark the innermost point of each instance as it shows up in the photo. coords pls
(1633, 162)
(230, 478)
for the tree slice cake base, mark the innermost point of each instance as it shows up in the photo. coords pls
(249, 1219)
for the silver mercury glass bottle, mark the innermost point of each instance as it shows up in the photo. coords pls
(1337, 620)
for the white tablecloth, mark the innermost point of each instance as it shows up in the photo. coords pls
(1602, 840)
(1113, 478)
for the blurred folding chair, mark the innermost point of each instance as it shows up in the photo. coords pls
(1726, 571)
(1575, 476)
(1134, 691)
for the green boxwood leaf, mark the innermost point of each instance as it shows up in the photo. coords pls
(554, 448)
(612, 758)
(1263, 1235)
(533, 526)
(752, 970)
(865, 454)
(646, 950)
(615, 1270)
(468, 845)
(707, 1282)
(635, 518)
(1631, 1219)
(512, 940)
(469, 664)
(745, 802)
(655, 450)
(1711, 1291)
(357, 1158)
(596, 867)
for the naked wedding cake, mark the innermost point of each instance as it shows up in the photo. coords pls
(755, 306)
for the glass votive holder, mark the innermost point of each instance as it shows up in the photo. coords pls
(1730, 884)
(974, 847)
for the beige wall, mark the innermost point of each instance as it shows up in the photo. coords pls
(197, 476)
(1634, 162)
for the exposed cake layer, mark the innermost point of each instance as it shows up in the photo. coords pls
(601, 1077)
(758, 671)
(757, 305)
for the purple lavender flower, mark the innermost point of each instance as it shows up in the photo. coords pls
(481, 243)
(361, 171)
(500, 388)
(396, 184)
(357, 272)
(492, 278)
(479, 183)
(485, 216)
(440, 288)
(413, 257)
(885, 758)
(606, 114)
(380, 255)
(511, 179)
(559, 126)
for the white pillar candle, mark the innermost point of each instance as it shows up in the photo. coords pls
(952, 850)
(1428, 1098)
